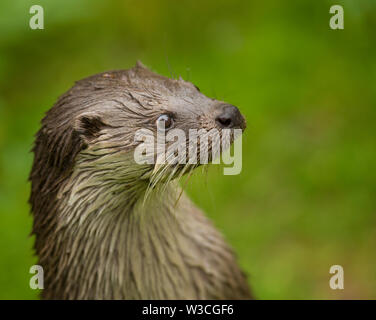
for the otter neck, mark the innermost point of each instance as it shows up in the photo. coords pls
(105, 233)
(107, 243)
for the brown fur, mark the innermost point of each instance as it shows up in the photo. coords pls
(95, 236)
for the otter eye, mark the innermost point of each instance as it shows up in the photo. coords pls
(165, 121)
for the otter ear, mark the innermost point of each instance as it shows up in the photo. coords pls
(88, 126)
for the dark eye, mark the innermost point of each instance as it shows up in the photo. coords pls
(165, 121)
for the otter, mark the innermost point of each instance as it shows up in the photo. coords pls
(95, 234)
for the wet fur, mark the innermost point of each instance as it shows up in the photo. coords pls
(95, 236)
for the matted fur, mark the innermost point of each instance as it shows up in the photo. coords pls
(96, 237)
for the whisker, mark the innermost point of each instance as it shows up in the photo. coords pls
(185, 185)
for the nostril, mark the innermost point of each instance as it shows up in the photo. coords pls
(224, 121)
(229, 117)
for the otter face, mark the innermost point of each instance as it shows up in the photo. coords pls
(120, 105)
(94, 126)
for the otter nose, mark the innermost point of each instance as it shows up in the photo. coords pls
(230, 117)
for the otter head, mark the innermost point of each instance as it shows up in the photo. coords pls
(89, 135)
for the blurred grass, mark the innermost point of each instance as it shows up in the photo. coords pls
(305, 199)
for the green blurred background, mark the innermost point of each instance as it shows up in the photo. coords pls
(305, 199)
